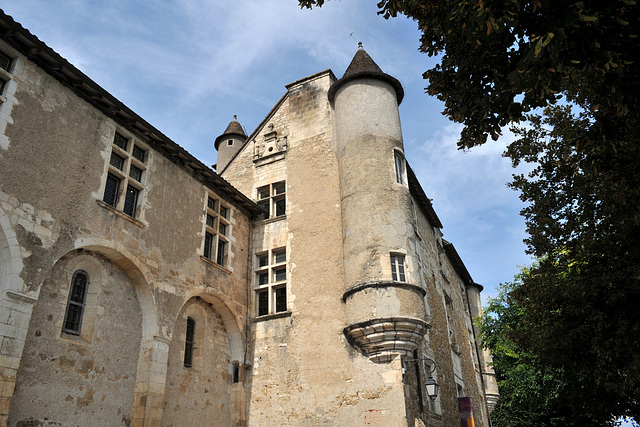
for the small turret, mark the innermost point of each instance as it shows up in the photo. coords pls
(229, 143)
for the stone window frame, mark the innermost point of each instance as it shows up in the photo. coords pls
(451, 324)
(8, 87)
(398, 263)
(218, 220)
(400, 167)
(6, 68)
(92, 309)
(127, 170)
(76, 302)
(189, 342)
(271, 282)
(196, 311)
(273, 199)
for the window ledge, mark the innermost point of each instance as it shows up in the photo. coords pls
(120, 214)
(5, 75)
(75, 339)
(266, 317)
(215, 264)
(270, 220)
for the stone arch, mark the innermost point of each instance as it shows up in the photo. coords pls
(202, 390)
(231, 322)
(10, 259)
(137, 271)
(94, 368)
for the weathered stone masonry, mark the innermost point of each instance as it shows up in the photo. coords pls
(304, 283)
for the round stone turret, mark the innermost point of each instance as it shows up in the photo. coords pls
(229, 143)
(386, 314)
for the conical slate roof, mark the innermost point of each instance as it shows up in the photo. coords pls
(362, 63)
(362, 66)
(234, 128)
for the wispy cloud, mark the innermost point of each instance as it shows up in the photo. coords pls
(187, 66)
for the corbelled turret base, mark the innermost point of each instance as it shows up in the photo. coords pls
(381, 340)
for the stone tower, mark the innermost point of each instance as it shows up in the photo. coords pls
(384, 297)
(229, 143)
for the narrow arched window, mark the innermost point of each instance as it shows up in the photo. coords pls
(76, 302)
(401, 168)
(188, 342)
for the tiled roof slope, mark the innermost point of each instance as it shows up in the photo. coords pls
(362, 66)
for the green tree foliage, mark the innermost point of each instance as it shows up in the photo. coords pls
(502, 58)
(583, 220)
(533, 394)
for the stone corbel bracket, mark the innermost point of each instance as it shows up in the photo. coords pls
(382, 339)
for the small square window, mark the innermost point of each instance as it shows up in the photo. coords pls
(212, 204)
(263, 260)
(263, 278)
(278, 188)
(135, 173)
(224, 212)
(121, 141)
(211, 221)
(5, 61)
(280, 275)
(138, 153)
(263, 193)
(280, 256)
(222, 230)
(230, 142)
(116, 161)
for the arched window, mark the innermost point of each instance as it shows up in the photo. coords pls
(401, 168)
(76, 302)
(188, 342)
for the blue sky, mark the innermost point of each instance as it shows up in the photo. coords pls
(187, 66)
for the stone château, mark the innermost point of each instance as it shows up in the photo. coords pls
(305, 281)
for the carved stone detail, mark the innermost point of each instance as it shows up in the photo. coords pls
(383, 339)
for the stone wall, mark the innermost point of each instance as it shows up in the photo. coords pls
(53, 166)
